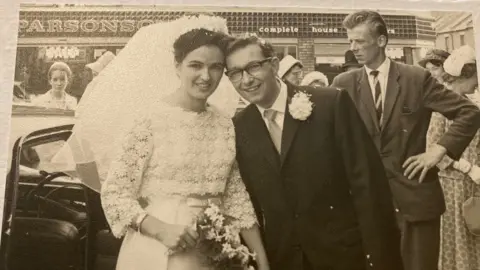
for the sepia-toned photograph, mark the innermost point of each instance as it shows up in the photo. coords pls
(160, 137)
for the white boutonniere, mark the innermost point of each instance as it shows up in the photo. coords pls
(301, 106)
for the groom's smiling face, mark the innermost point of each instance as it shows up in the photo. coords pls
(258, 78)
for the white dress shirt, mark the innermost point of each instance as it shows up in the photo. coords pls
(383, 71)
(279, 106)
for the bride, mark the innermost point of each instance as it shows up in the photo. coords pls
(176, 151)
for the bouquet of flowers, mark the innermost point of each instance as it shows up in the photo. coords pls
(220, 242)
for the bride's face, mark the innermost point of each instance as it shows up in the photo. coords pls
(200, 71)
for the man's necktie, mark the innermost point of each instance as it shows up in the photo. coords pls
(274, 129)
(378, 96)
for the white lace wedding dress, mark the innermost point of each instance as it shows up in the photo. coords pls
(172, 160)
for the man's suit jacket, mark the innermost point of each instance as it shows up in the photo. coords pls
(326, 196)
(412, 94)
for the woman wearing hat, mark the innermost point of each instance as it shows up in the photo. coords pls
(315, 79)
(101, 63)
(459, 249)
(290, 70)
(351, 61)
(433, 61)
(91, 71)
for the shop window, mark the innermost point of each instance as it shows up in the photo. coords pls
(33, 63)
(447, 44)
(462, 39)
(282, 50)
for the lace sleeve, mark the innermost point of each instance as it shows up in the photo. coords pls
(119, 191)
(236, 201)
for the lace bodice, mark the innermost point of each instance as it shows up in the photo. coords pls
(175, 152)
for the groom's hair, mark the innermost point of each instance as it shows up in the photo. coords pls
(373, 19)
(240, 43)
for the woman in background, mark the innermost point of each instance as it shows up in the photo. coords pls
(315, 78)
(290, 70)
(59, 77)
(459, 249)
(433, 62)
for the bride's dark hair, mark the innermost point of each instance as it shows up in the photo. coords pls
(197, 38)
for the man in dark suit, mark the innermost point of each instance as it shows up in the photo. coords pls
(395, 102)
(314, 176)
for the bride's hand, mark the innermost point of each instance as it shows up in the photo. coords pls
(171, 235)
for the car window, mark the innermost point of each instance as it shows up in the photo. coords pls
(46, 157)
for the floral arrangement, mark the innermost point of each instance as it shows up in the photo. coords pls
(301, 106)
(220, 242)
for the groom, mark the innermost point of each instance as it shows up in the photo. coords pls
(312, 171)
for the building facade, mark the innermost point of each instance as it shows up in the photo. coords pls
(454, 29)
(79, 35)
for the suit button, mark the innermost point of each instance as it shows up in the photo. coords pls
(331, 207)
(296, 215)
(397, 210)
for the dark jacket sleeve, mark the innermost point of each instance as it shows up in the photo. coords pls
(244, 174)
(337, 82)
(465, 115)
(368, 185)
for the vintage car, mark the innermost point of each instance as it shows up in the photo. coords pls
(50, 219)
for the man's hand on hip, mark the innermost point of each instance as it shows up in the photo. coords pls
(423, 162)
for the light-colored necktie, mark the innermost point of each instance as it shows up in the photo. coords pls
(378, 96)
(274, 128)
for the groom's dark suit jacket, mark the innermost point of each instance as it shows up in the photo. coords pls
(325, 198)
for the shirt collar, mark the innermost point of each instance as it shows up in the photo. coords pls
(281, 101)
(382, 69)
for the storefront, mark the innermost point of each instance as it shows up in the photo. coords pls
(79, 35)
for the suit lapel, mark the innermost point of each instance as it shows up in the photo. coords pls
(290, 127)
(259, 135)
(365, 92)
(391, 94)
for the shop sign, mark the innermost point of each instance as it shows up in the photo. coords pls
(320, 29)
(59, 52)
(86, 26)
(276, 29)
(313, 29)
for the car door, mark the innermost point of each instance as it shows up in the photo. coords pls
(45, 202)
(45, 217)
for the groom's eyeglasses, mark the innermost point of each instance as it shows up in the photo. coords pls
(252, 69)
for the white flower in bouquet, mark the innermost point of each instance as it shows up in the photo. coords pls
(211, 234)
(221, 242)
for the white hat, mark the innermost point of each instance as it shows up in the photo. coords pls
(314, 76)
(101, 62)
(459, 58)
(286, 64)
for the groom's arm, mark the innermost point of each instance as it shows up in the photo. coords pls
(368, 183)
(244, 174)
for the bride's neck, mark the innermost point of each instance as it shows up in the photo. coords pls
(182, 99)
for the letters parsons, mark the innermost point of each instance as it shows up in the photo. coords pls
(88, 26)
